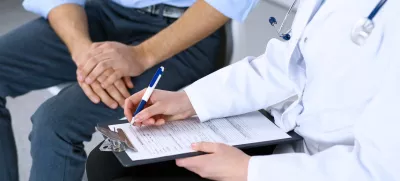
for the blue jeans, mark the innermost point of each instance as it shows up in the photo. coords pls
(33, 57)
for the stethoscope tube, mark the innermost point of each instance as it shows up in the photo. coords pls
(364, 27)
(287, 14)
(273, 22)
(376, 9)
(360, 32)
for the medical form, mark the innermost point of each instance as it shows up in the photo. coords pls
(175, 137)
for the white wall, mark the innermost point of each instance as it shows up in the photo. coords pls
(252, 36)
(285, 3)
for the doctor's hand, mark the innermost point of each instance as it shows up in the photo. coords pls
(223, 163)
(162, 106)
(124, 60)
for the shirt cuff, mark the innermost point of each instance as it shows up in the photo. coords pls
(197, 102)
(43, 8)
(235, 9)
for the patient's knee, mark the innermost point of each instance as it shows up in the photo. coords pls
(50, 122)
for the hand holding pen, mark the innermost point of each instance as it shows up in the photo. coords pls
(155, 107)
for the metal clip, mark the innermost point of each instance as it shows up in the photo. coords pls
(117, 138)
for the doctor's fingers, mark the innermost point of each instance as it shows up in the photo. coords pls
(208, 147)
(176, 117)
(156, 120)
(149, 112)
(196, 164)
(136, 97)
(131, 103)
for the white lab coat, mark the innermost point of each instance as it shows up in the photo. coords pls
(319, 84)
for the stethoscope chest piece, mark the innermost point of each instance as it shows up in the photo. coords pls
(272, 21)
(363, 28)
(361, 31)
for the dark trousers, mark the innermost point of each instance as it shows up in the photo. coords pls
(104, 166)
(33, 57)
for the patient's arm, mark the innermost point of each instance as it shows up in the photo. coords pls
(199, 21)
(69, 21)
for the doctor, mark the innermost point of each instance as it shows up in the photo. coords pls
(339, 96)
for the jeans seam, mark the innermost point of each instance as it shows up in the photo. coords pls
(66, 168)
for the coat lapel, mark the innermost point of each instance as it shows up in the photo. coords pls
(305, 10)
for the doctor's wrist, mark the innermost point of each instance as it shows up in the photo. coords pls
(188, 109)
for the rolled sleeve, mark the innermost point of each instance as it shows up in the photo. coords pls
(43, 7)
(235, 9)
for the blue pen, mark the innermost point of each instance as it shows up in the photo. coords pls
(149, 91)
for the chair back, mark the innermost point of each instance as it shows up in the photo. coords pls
(226, 48)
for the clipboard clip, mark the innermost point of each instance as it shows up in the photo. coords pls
(118, 141)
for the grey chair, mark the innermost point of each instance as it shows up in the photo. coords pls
(226, 48)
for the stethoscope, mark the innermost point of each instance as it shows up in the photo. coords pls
(363, 28)
(359, 34)
(273, 22)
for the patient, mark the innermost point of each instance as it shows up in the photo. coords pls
(107, 50)
(339, 96)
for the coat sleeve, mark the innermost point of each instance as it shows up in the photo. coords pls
(251, 84)
(374, 156)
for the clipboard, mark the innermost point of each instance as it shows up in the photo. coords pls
(124, 159)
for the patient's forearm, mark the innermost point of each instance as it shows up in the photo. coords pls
(198, 22)
(69, 21)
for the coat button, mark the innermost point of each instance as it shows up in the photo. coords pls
(305, 40)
